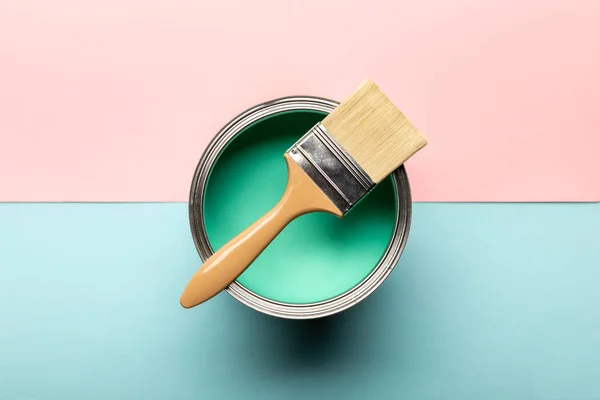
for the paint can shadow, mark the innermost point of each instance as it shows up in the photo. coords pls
(329, 345)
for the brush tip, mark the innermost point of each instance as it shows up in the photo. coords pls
(374, 131)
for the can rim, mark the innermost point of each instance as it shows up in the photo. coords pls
(387, 262)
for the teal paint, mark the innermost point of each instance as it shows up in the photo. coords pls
(318, 256)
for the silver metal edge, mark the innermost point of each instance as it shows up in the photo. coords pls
(349, 162)
(333, 170)
(325, 308)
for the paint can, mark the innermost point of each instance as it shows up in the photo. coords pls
(301, 309)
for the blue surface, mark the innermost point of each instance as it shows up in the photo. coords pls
(490, 301)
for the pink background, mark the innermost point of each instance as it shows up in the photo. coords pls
(116, 100)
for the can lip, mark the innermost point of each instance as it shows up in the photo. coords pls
(285, 310)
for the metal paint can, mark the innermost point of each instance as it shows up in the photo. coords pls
(387, 262)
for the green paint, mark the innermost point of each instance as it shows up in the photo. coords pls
(318, 256)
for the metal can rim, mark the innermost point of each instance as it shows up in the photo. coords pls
(325, 308)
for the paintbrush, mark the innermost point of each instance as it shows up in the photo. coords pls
(330, 169)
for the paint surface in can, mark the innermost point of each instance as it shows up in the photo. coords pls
(318, 256)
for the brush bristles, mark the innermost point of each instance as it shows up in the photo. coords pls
(374, 131)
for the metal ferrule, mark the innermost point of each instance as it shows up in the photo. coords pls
(333, 170)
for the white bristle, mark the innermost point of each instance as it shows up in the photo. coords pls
(373, 131)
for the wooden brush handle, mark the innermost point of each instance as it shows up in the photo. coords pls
(301, 196)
